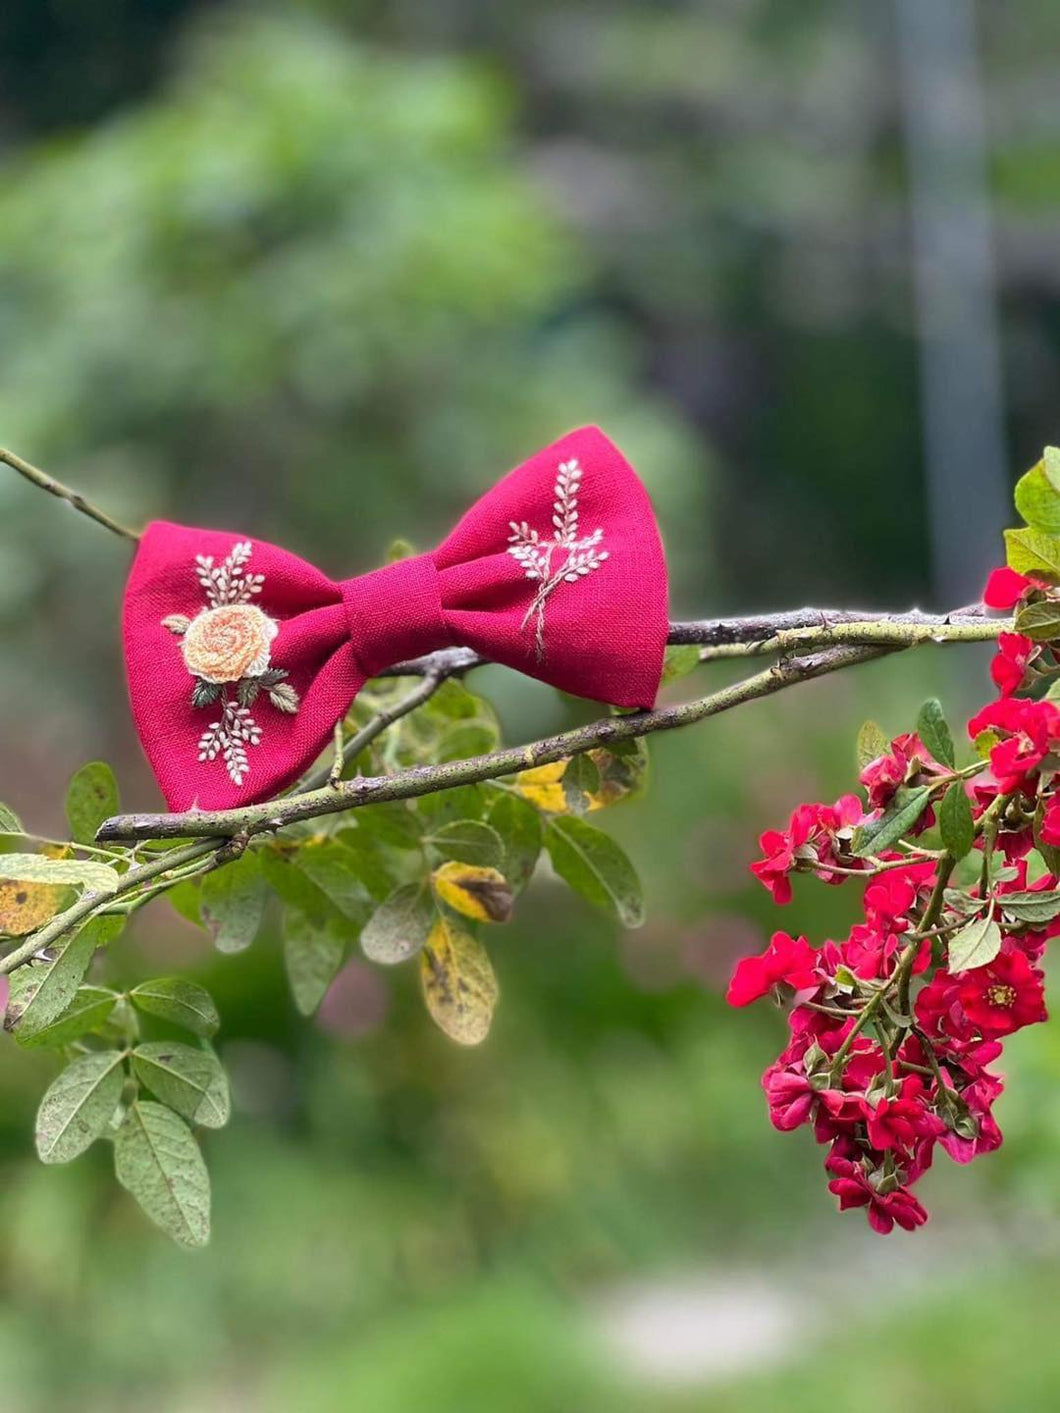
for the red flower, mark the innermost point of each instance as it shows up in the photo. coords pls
(1050, 830)
(1009, 667)
(1005, 588)
(854, 1188)
(900, 1121)
(811, 836)
(787, 959)
(789, 1096)
(1029, 728)
(1003, 996)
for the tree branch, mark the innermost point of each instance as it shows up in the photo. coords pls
(765, 633)
(74, 498)
(426, 780)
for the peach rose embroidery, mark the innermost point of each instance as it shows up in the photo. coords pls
(227, 649)
(228, 643)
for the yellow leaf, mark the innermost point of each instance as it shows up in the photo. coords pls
(26, 906)
(541, 787)
(475, 891)
(459, 985)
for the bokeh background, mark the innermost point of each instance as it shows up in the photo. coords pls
(320, 272)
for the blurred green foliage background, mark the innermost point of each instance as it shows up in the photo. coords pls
(320, 273)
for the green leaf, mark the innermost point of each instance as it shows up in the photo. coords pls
(41, 991)
(1030, 907)
(91, 798)
(956, 824)
(78, 1105)
(399, 926)
(9, 821)
(36, 868)
(313, 952)
(1051, 466)
(389, 822)
(580, 779)
(933, 731)
(1040, 621)
(595, 866)
(975, 945)
(157, 1160)
(188, 1079)
(90, 1010)
(1038, 500)
(902, 813)
(469, 841)
(336, 871)
(186, 899)
(462, 802)
(183, 1002)
(679, 662)
(295, 887)
(1031, 551)
(232, 903)
(519, 827)
(872, 743)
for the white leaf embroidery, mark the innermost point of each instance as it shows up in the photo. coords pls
(535, 556)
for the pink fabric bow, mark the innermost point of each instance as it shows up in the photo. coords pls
(241, 657)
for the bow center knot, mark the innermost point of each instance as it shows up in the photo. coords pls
(395, 613)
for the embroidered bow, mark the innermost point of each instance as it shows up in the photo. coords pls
(241, 657)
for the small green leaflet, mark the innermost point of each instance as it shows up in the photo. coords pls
(35, 868)
(519, 828)
(595, 866)
(872, 743)
(399, 926)
(1030, 907)
(902, 813)
(41, 991)
(933, 731)
(679, 662)
(182, 1002)
(1038, 500)
(1040, 621)
(232, 903)
(956, 824)
(975, 945)
(469, 841)
(90, 1010)
(580, 780)
(91, 798)
(336, 871)
(157, 1160)
(9, 821)
(313, 951)
(189, 1080)
(1030, 551)
(78, 1105)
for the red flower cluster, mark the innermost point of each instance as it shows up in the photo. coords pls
(894, 1028)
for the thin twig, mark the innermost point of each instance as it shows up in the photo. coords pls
(379, 723)
(96, 900)
(74, 498)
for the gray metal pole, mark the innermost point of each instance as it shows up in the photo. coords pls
(962, 406)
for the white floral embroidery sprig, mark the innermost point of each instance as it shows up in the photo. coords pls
(536, 555)
(227, 649)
